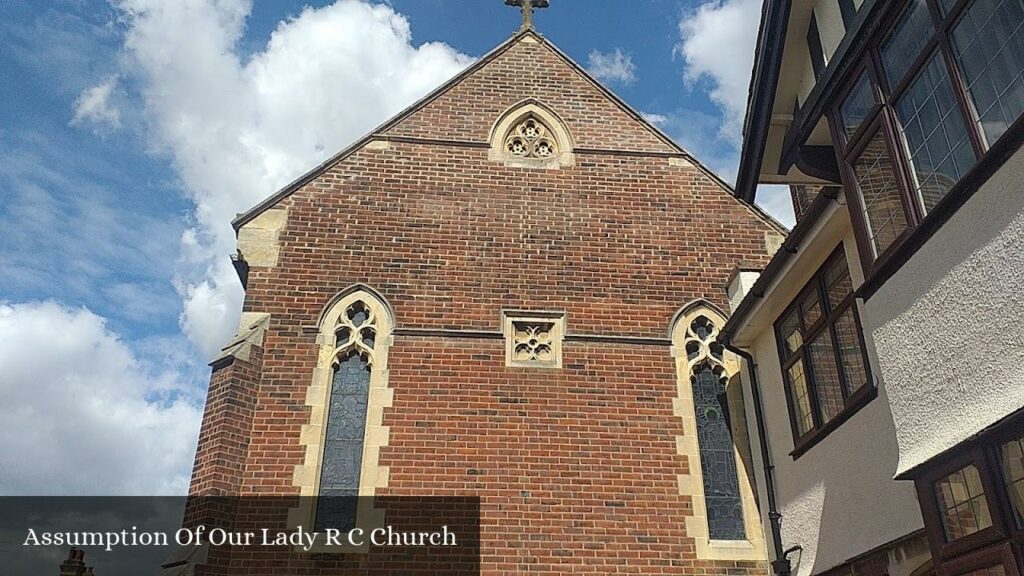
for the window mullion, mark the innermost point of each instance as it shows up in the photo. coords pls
(960, 92)
(812, 381)
(912, 207)
(844, 387)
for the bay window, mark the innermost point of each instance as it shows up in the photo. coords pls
(939, 87)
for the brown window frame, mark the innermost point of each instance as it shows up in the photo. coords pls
(988, 558)
(848, 12)
(877, 121)
(992, 545)
(928, 499)
(815, 48)
(859, 396)
(884, 113)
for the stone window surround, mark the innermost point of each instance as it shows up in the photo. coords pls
(512, 317)
(692, 484)
(306, 476)
(515, 115)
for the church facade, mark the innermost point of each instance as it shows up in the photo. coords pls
(510, 291)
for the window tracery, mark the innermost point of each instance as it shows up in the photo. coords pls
(355, 337)
(534, 339)
(347, 399)
(714, 439)
(720, 474)
(531, 135)
(530, 138)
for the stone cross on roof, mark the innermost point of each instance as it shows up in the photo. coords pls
(527, 7)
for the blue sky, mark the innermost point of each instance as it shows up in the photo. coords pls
(131, 131)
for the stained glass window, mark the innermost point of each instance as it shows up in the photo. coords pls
(343, 444)
(717, 457)
(720, 472)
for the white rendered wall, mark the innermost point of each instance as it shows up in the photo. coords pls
(839, 499)
(949, 325)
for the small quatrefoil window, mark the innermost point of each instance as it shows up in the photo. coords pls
(534, 340)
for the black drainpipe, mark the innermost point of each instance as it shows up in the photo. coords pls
(781, 565)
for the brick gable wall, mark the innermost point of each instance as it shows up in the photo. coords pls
(438, 229)
(527, 69)
(577, 467)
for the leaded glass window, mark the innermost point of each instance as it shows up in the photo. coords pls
(820, 351)
(912, 32)
(988, 41)
(719, 469)
(962, 503)
(858, 105)
(943, 81)
(876, 180)
(341, 467)
(934, 133)
(1011, 460)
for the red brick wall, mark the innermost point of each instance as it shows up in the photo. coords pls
(226, 428)
(577, 467)
(438, 229)
(469, 110)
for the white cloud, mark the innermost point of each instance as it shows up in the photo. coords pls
(95, 105)
(658, 120)
(237, 128)
(79, 411)
(717, 45)
(615, 67)
(44, 189)
(718, 48)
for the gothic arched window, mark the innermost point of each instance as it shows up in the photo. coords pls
(714, 439)
(719, 470)
(355, 338)
(530, 135)
(347, 399)
(530, 138)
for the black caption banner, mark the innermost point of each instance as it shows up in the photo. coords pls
(169, 536)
